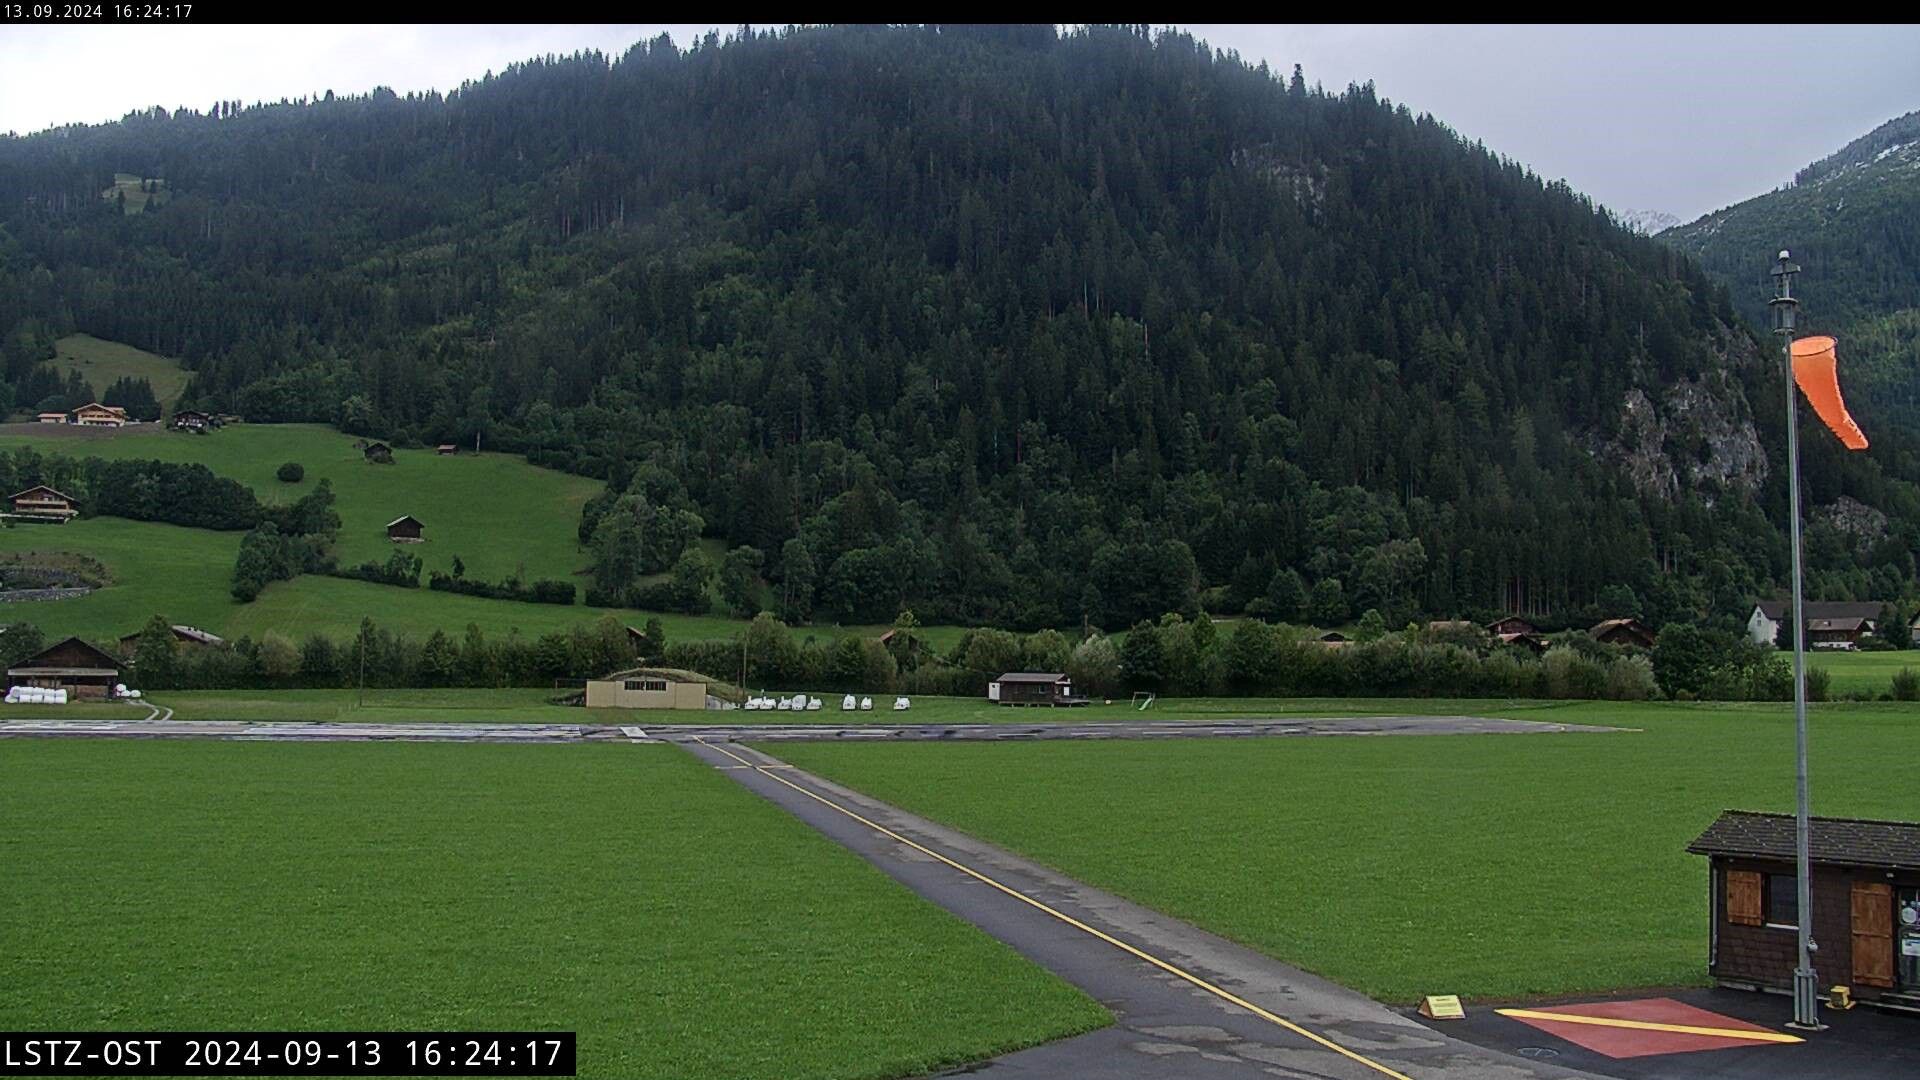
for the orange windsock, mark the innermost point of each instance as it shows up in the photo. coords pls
(1815, 369)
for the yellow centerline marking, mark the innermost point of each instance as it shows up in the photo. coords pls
(1225, 995)
(1649, 1025)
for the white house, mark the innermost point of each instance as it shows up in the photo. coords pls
(1763, 624)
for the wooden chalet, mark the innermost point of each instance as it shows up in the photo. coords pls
(51, 418)
(42, 503)
(1033, 688)
(1837, 633)
(1531, 642)
(378, 452)
(71, 665)
(1511, 624)
(94, 414)
(1865, 895)
(405, 530)
(192, 420)
(446, 449)
(1623, 632)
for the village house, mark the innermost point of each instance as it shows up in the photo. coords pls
(656, 688)
(191, 420)
(405, 530)
(94, 414)
(1865, 893)
(71, 665)
(1764, 622)
(51, 418)
(182, 635)
(1033, 688)
(42, 503)
(1623, 632)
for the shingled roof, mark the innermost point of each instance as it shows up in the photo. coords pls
(1891, 845)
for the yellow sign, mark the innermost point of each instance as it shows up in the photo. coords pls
(1442, 1007)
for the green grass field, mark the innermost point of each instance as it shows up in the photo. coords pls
(102, 363)
(1864, 672)
(499, 514)
(131, 186)
(1497, 866)
(683, 927)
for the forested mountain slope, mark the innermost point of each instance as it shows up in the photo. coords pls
(1853, 221)
(1007, 326)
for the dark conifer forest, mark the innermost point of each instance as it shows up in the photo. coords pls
(1007, 326)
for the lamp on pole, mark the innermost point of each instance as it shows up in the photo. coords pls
(1806, 1006)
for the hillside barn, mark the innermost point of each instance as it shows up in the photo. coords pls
(378, 453)
(406, 530)
(182, 635)
(1865, 892)
(71, 665)
(1033, 688)
(656, 688)
(42, 503)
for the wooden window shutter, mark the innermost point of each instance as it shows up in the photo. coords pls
(1743, 898)
(1872, 933)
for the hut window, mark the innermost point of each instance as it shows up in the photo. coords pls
(1783, 900)
(647, 684)
(1744, 897)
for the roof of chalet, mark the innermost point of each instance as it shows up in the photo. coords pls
(1032, 677)
(1842, 625)
(106, 665)
(1825, 609)
(1893, 845)
(1619, 624)
(41, 487)
(406, 517)
(189, 633)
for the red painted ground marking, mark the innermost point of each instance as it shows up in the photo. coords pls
(1625, 1042)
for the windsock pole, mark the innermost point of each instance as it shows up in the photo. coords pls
(1806, 1003)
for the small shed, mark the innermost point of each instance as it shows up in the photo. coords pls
(658, 688)
(405, 530)
(51, 418)
(42, 503)
(1865, 892)
(1033, 688)
(71, 665)
(1623, 632)
(378, 452)
(446, 449)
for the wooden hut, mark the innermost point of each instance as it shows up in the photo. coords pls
(1865, 894)
(406, 529)
(71, 665)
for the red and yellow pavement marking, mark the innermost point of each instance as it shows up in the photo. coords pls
(1223, 994)
(1623, 1029)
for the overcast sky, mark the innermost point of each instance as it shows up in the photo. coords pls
(1678, 119)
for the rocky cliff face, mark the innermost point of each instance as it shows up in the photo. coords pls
(1697, 434)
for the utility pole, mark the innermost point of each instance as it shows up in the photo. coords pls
(1806, 1005)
